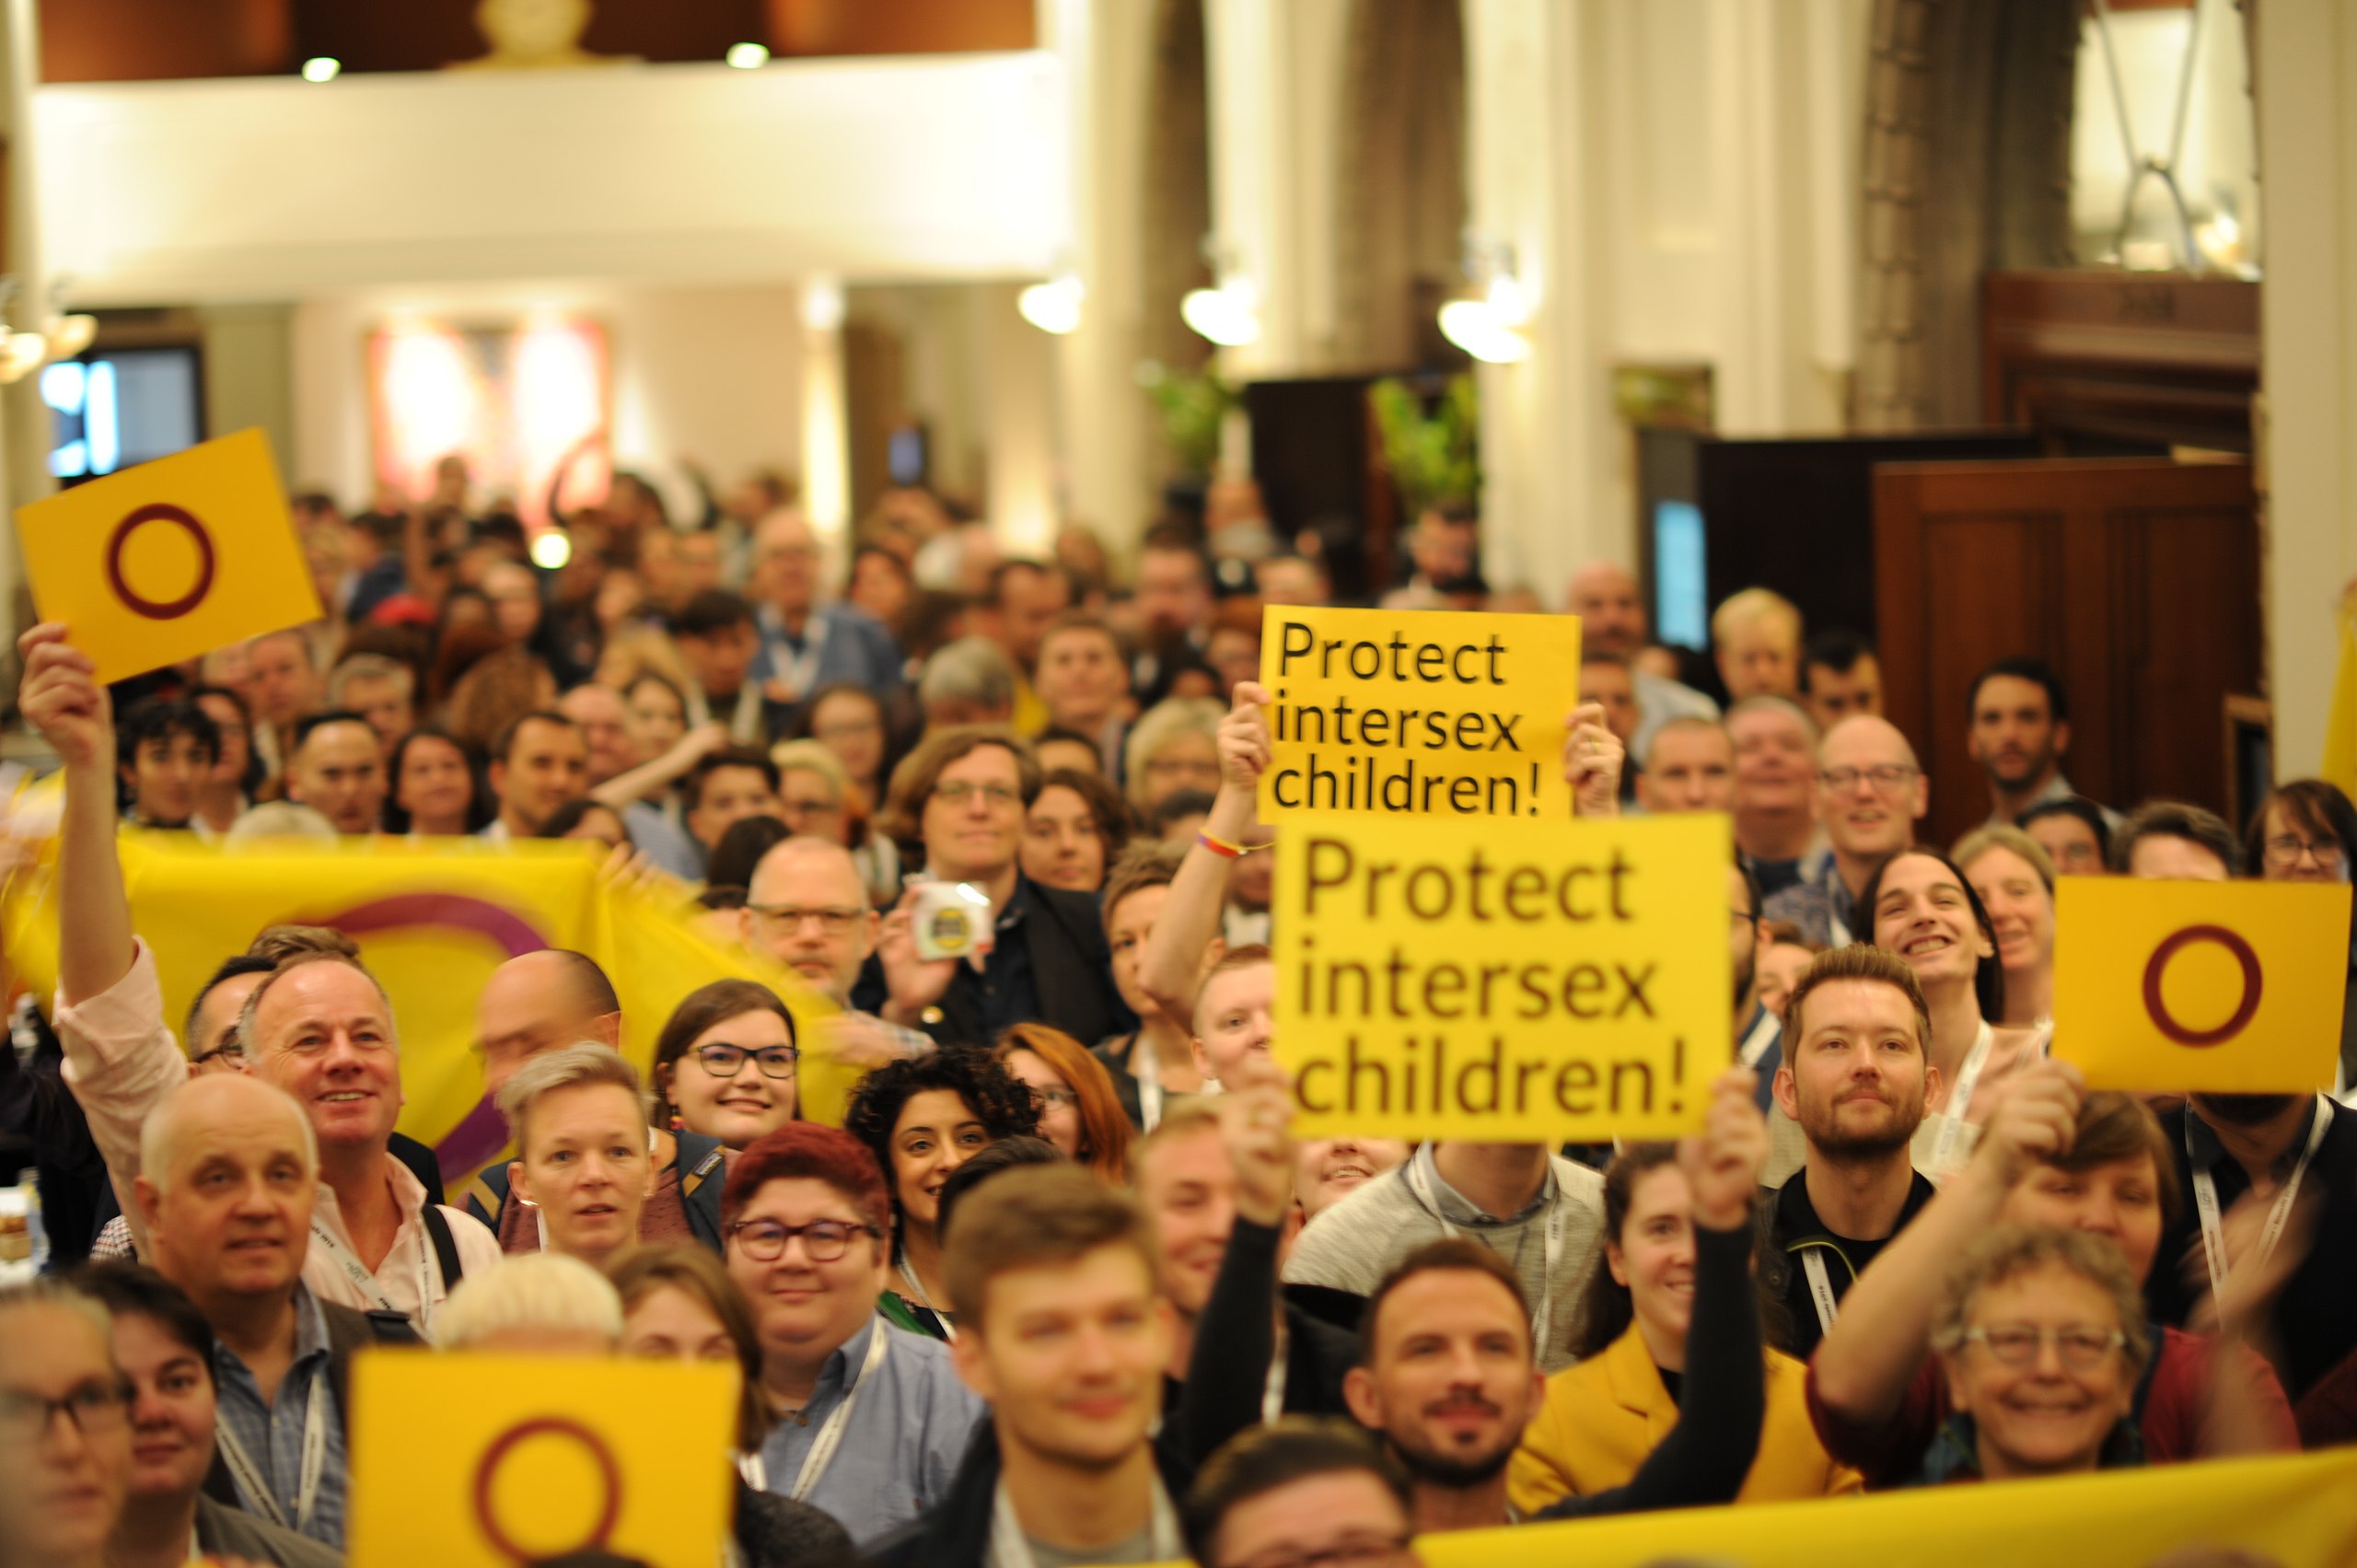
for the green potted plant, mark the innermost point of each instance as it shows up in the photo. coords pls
(1431, 441)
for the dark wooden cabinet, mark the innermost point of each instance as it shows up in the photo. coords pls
(2136, 579)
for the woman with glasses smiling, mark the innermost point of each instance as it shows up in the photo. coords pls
(726, 1064)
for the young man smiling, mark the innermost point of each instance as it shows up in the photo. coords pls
(1066, 1332)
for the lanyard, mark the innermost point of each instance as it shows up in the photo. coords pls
(1967, 1079)
(1010, 1548)
(1557, 1212)
(798, 669)
(1148, 1073)
(248, 1475)
(948, 1329)
(1820, 1288)
(2205, 1200)
(1272, 1391)
(831, 1434)
(326, 1241)
(1755, 1044)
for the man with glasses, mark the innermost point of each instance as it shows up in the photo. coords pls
(872, 1420)
(1870, 795)
(805, 644)
(964, 794)
(65, 1429)
(548, 1001)
(808, 909)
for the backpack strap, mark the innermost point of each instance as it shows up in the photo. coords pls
(445, 1246)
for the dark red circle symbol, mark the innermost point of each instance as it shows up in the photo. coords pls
(160, 609)
(487, 1474)
(2244, 1011)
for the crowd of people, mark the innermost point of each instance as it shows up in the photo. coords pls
(1062, 1288)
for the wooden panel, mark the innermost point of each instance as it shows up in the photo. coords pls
(2121, 357)
(2136, 580)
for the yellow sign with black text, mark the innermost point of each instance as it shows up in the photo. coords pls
(493, 1461)
(1565, 980)
(2200, 987)
(171, 559)
(1417, 713)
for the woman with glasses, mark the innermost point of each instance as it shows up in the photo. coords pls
(66, 1442)
(922, 1118)
(1080, 1112)
(1172, 747)
(2050, 1158)
(2041, 1338)
(2304, 833)
(726, 1064)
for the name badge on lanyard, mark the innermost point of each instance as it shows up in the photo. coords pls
(248, 1475)
(353, 1270)
(2279, 1213)
(831, 1434)
(1557, 1216)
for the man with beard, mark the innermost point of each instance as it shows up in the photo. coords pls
(2021, 727)
(1856, 1077)
(2270, 1149)
(1448, 1377)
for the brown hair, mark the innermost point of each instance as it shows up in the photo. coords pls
(640, 1271)
(1038, 1214)
(920, 771)
(2115, 1127)
(1116, 824)
(2005, 836)
(700, 1010)
(1606, 1309)
(1858, 960)
(1454, 1254)
(1250, 955)
(1180, 1119)
(1142, 865)
(1105, 1132)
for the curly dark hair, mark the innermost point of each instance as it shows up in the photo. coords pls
(999, 1099)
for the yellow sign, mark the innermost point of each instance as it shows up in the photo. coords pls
(1564, 981)
(493, 1461)
(2290, 1513)
(2200, 987)
(171, 558)
(1417, 713)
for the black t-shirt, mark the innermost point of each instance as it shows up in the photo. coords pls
(1799, 1232)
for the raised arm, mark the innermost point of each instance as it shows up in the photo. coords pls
(1592, 758)
(1236, 1339)
(630, 787)
(1190, 920)
(1710, 1451)
(1866, 1362)
(64, 704)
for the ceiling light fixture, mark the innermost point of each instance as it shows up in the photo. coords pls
(1490, 324)
(1054, 305)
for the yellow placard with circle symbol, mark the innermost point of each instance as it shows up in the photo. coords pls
(2200, 987)
(467, 1460)
(171, 559)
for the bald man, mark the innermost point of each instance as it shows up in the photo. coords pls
(807, 644)
(808, 909)
(319, 1027)
(1870, 792)
(227, 1181)
(1612, 609)
(546, 1001)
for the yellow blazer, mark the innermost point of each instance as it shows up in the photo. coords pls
(1602, 1416)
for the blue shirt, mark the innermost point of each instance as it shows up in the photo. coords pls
(272, 1432)
(901, 1444)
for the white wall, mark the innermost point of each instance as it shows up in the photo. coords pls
(275, 189)
(710, 373)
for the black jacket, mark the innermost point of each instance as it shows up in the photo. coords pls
(1071, 976)
(957, 1533)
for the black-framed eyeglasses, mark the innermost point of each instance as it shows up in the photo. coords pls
(1885, 778)
(93, 1408)
(823, 1241)
(228, 1049)
(722, 1060)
